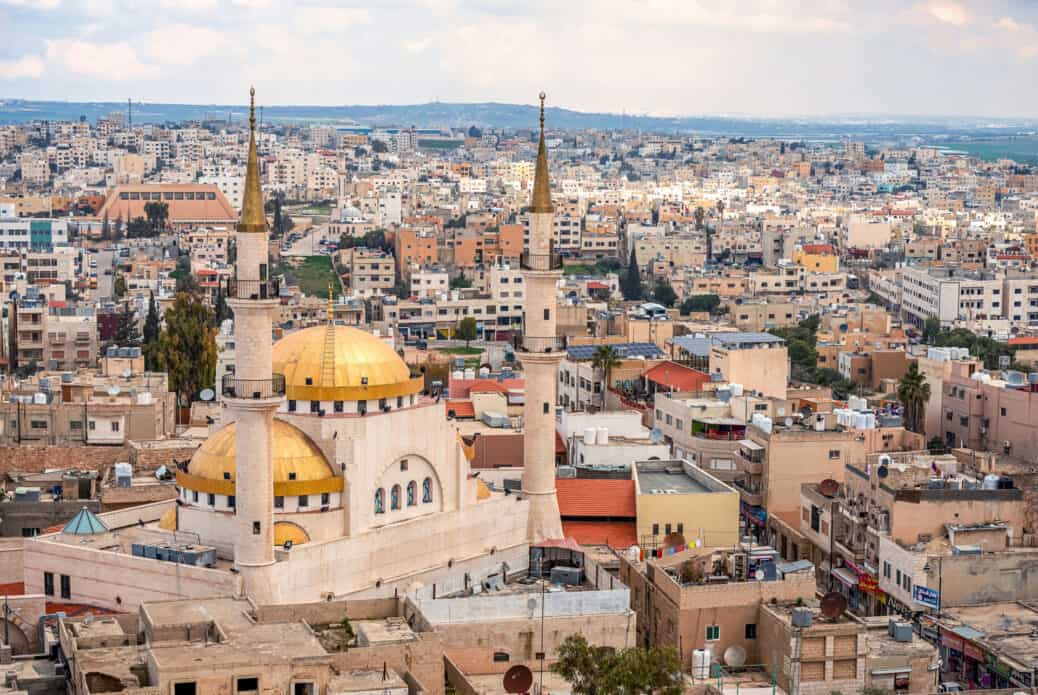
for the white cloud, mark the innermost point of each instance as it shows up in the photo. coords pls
(190, 5)
(20, 68)
(183, 44)
(320, 20)
(45, 5)
(418, 45)
(109, 62)
(948, 12)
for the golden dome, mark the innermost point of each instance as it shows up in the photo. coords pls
(299, 466)
(288, 531)
(168, 522)
(363, 366)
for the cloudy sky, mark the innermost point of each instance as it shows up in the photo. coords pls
(764, 57)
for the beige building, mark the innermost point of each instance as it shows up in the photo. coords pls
(367, 271)
(677, 497)
(757, 361)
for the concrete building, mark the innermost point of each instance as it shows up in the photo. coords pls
(757, 361)
(677, 497)
(367, 272)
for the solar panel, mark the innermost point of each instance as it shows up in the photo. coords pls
(587, 352)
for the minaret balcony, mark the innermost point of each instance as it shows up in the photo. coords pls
(253, 389)
(530, 343)
(253, 289)
(540, 261)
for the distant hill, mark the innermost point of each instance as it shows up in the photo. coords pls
(495, 115)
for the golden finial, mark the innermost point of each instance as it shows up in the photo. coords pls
(253, 219)
(252, 108)
(541, 201)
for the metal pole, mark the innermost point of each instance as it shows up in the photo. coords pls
(540, 563)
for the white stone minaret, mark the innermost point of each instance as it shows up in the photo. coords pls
(252, 391)
(540, 354)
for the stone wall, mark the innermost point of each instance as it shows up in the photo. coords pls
(11, 569)
(324, 612)
(423, 658)
(40, 458)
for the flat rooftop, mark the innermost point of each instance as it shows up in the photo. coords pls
(657, 477)
(1004, 627)
(366, 681)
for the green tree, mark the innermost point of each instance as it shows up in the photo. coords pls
(117, 230)
(186, 349)
(913, 392)
(157, 213)
(119, 286)
(460, 283)
(700, 302)
(664, 294)
(605, 359)
(594, 670)
(936, 446)
(931, 329)
(106, 228)
(151, 322)
(138, 227)
(126, 333)
(379, 147)
(221, 311)
(631, 282)
(466, 330)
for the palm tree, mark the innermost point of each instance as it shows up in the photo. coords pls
(699, 214)
(913, 392)
(605, 359)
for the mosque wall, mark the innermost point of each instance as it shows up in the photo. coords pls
(398, 551)
(219, 529)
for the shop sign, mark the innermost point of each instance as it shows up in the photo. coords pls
(951, 641)
(925, 596)
(973, 651)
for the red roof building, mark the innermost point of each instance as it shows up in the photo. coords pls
(592, 498)
(671, 376)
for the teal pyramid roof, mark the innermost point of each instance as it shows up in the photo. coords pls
(85, 522)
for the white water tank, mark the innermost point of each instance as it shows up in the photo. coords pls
(484, 372)
(857, 403)
(736, 389)
(470, 373)
(700, 664)
(457, 374)
(602, 435)
(589, 436)
(990, 482)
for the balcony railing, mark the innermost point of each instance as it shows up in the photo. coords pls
(257, 389)
(530, 343)
(541, 261)
(253, 289)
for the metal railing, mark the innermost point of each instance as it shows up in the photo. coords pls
(253, 289)
(541, 261)
(530, 343)
(233, 387)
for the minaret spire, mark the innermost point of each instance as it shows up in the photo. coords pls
(253, 219)
(541, 201)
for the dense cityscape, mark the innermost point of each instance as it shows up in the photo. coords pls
(345, 406)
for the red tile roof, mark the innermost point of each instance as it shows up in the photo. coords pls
(615, 534)
(461, 408)
(678, 377)
(596, 285)
(460, 388)
(816, 249)
(588, 497)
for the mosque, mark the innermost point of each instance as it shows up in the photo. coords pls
(330, 474)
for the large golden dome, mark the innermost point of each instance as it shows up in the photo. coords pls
(362, 366)
(299, 466)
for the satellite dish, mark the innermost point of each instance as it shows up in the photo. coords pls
(518, 679)
(759, 575)
(883, 471)
(673, 540)
(655, 435)
(735, 655)
(113, 390)
(828, 487)
(833, 605)
(789, 422)
(207, 394)
(127, 373)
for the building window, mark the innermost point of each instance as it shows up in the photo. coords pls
(48, 583)
(403, 465)
(256, 528)
(304, 501)
(291, 406)
(337, 406)
(394, 497)
(115, 426)
(231, 502)
(211, 500)
(247, 685)
(427, 491)
(279, 502)
(184, 688)
(1002, 412)
(655, 529)
(751, 630)
(834, 454)
(713, 633)
(412, 494)
(66, 586)
(380, 501)
(315, 406)
(194, 496)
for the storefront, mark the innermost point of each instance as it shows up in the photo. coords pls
(864, 597)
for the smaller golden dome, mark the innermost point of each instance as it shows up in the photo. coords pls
(289, 531)
(168, 522)
(295, 456)
(482, 490)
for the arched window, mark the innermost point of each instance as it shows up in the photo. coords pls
(394, 497)
(427, 490)
(380, 501)
(412, 494)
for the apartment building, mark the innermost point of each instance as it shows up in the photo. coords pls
(367, 272)
(34, 234)
(429, 282)
(413, 248)
(759, 316)
(678, 497)
(757, 361)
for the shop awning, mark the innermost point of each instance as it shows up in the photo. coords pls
(891, 671)
(846, 576)
(751, 445)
